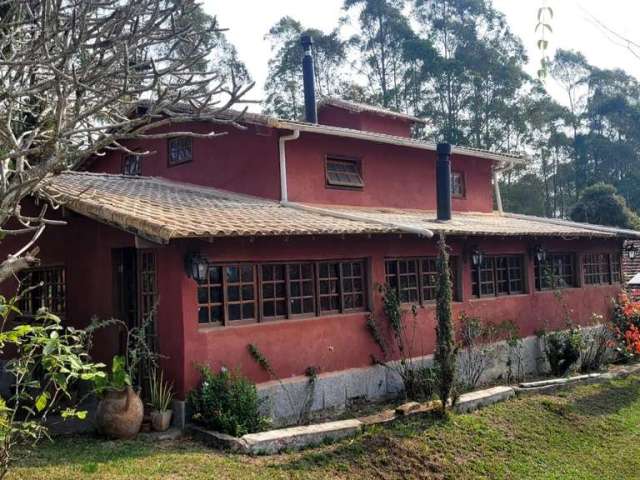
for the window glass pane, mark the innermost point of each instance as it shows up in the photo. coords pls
(301, 288)
(179, 150)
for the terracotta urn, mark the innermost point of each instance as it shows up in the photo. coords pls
(120, 414)
(161, 420)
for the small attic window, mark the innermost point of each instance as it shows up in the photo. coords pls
(180, 150)
(132, 165)
(344, 173)
(457, 185)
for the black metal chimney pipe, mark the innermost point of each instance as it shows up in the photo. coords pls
(443, 181)
(309, 81)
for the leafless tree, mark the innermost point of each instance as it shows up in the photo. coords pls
(80, 77)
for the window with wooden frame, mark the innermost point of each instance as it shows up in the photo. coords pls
(457, 185)
(274, 291)
(148, 283)
(341, 286)
(601, 268)
(51, 295)
(342, 172)
(616, 268)
(498, 275)
(556, 271)
(415, 279)
(300, 283)
(132, 165)
(180, 150)
(596, 268)
(287, 290)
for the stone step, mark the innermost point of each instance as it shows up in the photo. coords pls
(474, 400)
(274, 441)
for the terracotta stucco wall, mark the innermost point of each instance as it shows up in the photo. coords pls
(342, 341)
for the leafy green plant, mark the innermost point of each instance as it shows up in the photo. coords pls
(139, 354)
(47, 363)
(562, 349)
(226, 402)
(160, 392)
(117, 379)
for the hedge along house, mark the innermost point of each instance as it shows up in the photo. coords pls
(277, 234)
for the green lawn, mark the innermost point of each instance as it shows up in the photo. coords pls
(591, 432)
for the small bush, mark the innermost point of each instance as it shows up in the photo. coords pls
(420, 383)
(596, 342)
(562, 350)
(226, 402)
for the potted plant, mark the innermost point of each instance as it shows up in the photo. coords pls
(120, 411)
(160, 399)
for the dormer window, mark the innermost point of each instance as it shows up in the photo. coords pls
(457, 185)
(180, 150)
(132, 165)
(341, 172)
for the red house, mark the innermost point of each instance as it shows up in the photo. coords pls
(296, 223)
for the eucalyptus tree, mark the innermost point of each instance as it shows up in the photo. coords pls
(384, 36)
(283, 87)
(71, 74)
(474, 82)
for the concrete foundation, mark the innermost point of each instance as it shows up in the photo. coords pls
(284, 402)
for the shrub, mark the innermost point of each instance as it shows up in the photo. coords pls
(420, 382)
(475, 342)
(562, 350)
(595, 343)
(226, 402)
(626, 327)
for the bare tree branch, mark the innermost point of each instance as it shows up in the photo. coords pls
(78, 77)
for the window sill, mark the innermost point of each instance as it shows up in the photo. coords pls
(217, 328)
(498, 297)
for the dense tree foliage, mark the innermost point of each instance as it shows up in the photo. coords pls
(601, 205)
(457, 64)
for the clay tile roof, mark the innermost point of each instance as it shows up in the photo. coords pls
(485, 224)
(162, 210)
(363, 107)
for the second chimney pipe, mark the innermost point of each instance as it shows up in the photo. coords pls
(443, 181)
(309, 80)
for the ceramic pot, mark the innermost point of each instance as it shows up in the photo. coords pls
(161, 420)
(119, 414)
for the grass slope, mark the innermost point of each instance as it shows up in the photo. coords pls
(590, 432)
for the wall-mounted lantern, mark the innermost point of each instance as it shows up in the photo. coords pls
(196, 267)
(539, 253)
(631, 250)
(476, 256)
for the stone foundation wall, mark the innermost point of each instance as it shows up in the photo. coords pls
(285, 402)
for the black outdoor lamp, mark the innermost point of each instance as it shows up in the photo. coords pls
(631, 250)
(476, 256)
(539, 253)
(196, 267)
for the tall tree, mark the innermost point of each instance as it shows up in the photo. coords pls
(385, 35)
(473, 83)
(284, 81)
